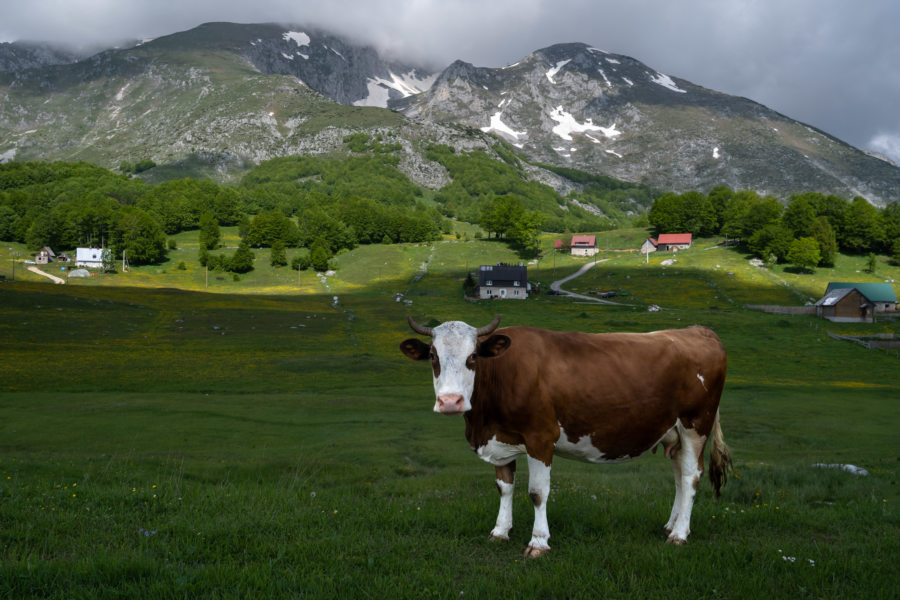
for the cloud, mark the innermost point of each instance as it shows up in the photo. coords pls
(887, 144)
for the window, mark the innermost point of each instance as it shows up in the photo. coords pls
(489, 282)
(516, 283)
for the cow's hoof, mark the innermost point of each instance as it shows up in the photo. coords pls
(536, 551)
(676, 541)
(498, 538)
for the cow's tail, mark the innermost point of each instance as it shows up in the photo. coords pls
(719, 458)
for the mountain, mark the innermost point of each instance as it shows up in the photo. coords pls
(574, 105)
(21, 56)
(221, 97)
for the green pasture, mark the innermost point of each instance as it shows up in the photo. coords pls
(163, 442)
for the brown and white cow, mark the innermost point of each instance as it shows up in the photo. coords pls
(600, 398)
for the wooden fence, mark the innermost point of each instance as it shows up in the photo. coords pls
(783, 310)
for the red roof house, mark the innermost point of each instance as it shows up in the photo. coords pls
(584, 245)
(674, 241)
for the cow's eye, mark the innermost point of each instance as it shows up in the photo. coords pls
(470, 362)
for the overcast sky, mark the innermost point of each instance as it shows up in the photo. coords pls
(834, 64)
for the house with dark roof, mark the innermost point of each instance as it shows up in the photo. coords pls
(848, 302)
(45, 256)
(503, 281)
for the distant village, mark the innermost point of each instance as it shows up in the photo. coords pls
(842, 301)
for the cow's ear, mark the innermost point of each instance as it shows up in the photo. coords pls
(494, 346)
(415, 349)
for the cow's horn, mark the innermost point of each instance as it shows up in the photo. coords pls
(421, 330)
(489, 328)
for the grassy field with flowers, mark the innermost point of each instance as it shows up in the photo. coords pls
(160, 443)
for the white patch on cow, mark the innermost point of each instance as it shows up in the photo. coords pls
(583, 449)
(539, 491)
(505, 515)
(702, 381)
(498, 453)
(454, 342)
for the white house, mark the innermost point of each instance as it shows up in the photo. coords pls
(584, 245)
(92, 258)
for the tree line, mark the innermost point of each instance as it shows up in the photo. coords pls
(808, 231)
(323, 205)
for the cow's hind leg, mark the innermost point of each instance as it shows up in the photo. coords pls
(506, 483)
(687, 461)
(539, 491)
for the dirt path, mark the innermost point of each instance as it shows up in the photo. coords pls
(54, 278)
(556, 285)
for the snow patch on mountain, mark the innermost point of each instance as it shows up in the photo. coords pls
(552, 72)
(287, 56)
(298, 37)
(716, 152)
(499, 126)
(666, 82)
(407, 85)
(567, 125)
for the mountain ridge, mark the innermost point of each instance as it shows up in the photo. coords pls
(235, 93)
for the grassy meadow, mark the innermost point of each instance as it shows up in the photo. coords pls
(160, 440)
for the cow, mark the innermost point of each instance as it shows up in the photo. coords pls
(600, 398)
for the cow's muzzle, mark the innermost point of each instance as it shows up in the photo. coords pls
(450, 404)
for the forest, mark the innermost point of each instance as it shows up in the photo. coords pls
(807, 231)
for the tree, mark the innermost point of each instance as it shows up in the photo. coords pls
(269, 226)
(863, 229)
(799, 216)
(209, 231)
(804, 253)
(278, 256)
(139, 235)
(242, 259)
(824, 235)
(8, 221)
(771, 239)
(871, 263)
(318, 257)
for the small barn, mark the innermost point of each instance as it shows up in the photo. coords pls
(91, 258)
(503, 281)
(584, 245)
(648, 246)
(674, 241)
(45, 256)
(848, 302)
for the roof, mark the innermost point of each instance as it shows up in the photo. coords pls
(674, 238)
(584, 240)
(834, 296)
(874, 292)
(502, 275)
(652, 241)
(557, 243)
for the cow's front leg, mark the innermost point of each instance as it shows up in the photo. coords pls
(506, 483)
(539, 491)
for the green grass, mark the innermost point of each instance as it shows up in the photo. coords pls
(170, 443)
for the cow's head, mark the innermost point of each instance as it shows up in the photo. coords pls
(454, 353)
